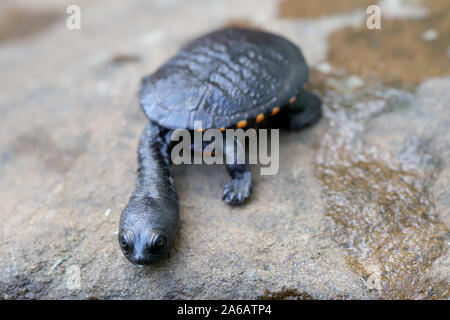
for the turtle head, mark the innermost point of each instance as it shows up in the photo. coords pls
(146, 232)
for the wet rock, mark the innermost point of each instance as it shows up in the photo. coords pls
(316, 8)
(430, 35)
(324, 67)
(378, 165)
(403, 9)
(345, 85)
(286, 294)
(402, 54)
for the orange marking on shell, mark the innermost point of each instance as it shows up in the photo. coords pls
(211, 154)
(292, 100)
(259, 118)
(241, 124)
(222, 129)
(275, 110)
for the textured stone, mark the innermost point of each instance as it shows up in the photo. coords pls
(68, 136)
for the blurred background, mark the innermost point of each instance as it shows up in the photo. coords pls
(359, 209)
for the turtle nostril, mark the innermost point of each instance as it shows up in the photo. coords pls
(139, 259)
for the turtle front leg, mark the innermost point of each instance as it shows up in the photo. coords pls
(238, 189)
(304, 111)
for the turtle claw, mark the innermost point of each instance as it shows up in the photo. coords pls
(237, 190)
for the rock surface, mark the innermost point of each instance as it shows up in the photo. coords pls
(68, 135)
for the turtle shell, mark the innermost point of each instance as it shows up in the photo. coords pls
(224, 78)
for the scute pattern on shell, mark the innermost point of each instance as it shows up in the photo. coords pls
(222, 78)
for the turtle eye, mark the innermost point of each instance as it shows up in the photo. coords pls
(156, 242)
(126, 241)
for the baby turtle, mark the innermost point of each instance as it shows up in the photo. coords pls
(229, 78)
